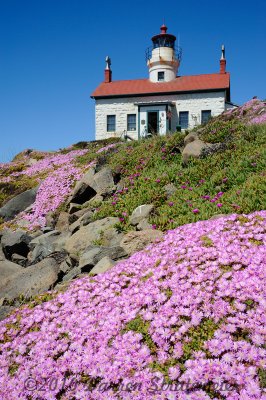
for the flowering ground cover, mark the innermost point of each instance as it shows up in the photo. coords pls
(183, 319)
(56, 173)
(230, 181)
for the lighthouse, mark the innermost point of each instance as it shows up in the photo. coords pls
(162, 102)
(164, 57)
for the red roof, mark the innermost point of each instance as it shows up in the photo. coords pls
(180, 84)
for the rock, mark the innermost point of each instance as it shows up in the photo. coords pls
(73, 273)
(18, 259)
(192, 149)
(218, 216)
(88, 234)
(212, 148)
(5, 311)
(103, 181)
(121, 185)
(46, 229)
(144, 224)
(18, 203)
(88, 258)
(2, 256)
(44, 239)
(62, 223)
(15, 242)
(103, 265)
(66, 266)
(42, 246)
(31, 281)
(87, 218)
(50, 220)
(92, 255)
(191, 137)
(110, 237)
(74, 227)
(73, 208)
(198, 148)
(91, 184)
(137, 240)
(83, 190)
(76, 215)
(141, 212)
(170, 189)
(8, 269)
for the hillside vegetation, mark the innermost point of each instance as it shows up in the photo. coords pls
(232, 180)
(182, 319)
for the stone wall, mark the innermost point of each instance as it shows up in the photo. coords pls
(192, 102)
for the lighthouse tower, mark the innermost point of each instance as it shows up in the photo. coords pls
(163, 58)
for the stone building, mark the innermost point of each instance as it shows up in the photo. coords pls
(165, 101)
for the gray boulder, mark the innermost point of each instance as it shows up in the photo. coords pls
(62, 222)
(193, 149)
(88, 234)
(18, 203)
(46, 244)
(9, 269)
(143, 225)
(198, 148)
(73, 273)
(92, 255)
(137, 240)
(102, 266)
(92, 184)
(32, 281)
(103, 181)
(15, 242)
(170, 189)
(110, 237)
(141, 212)
(191, 137)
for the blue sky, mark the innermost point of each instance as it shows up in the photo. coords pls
(52, 56)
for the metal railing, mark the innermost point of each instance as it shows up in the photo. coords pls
(177, 53)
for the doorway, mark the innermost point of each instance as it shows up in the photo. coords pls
(153, 122)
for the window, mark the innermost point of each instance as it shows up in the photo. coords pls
(110, 123)
(131, 122)
(205, 116)
(160, 76)
(183, 119)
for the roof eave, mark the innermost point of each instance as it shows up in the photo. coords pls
(110, 96)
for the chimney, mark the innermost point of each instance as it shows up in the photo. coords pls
(107, 71)
(222, 61)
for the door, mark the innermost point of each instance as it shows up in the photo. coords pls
(153, 127)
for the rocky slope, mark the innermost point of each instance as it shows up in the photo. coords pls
(184, 310)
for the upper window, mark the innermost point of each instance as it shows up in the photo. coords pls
(110, 123)
(160, 76)
(205, 116)
(131, 122)
(183, 119)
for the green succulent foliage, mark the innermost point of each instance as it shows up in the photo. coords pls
(138, 325)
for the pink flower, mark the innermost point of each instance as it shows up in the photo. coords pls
(195, 211)
(219, 205)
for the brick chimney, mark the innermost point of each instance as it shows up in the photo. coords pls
(223, 61)
(107, 71)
